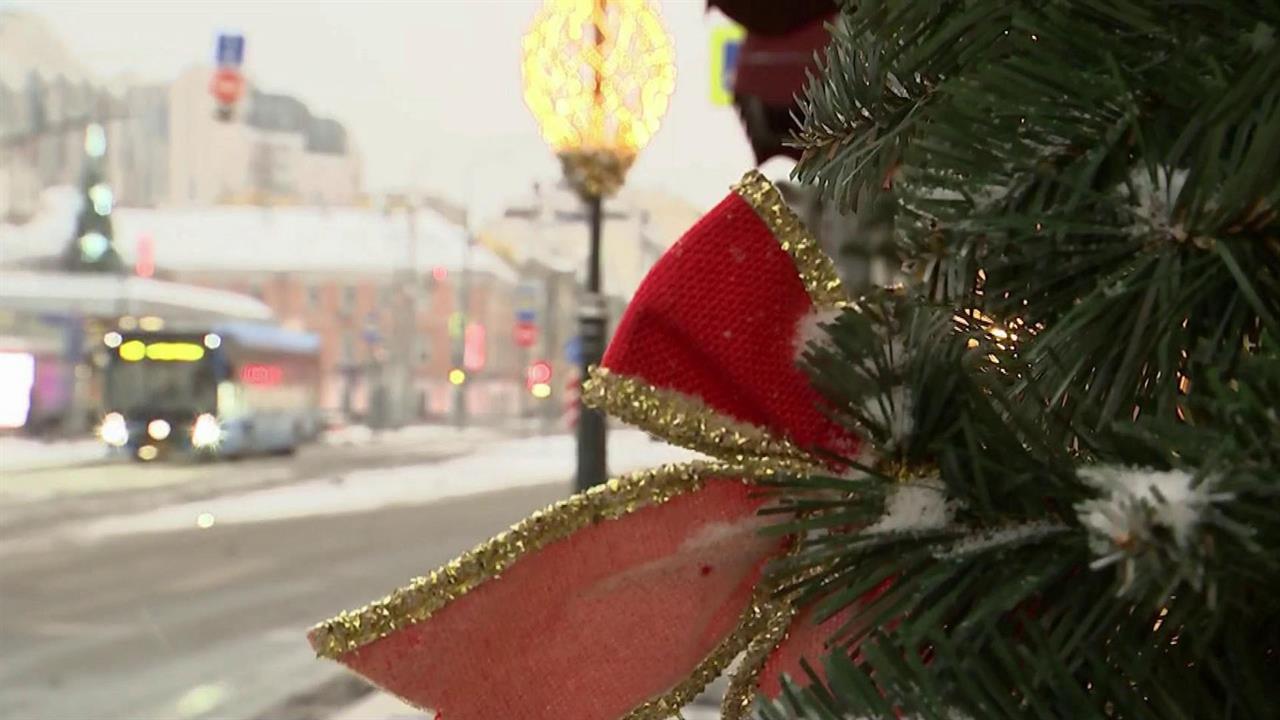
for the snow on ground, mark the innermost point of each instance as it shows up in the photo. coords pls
(500, 466)
(19, 453)
(350, 435)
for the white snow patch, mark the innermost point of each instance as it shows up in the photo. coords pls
(1135, 501)
(984, 540)
(352, 435)
(18, 453)
(501, 466)
(717, 533)
(892, 411)
(914, 506)
(1155, 200)
(811, 329)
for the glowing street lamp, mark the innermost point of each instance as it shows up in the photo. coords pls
(598, 75)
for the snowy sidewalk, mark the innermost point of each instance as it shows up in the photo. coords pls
(500, 465)
(20, 453)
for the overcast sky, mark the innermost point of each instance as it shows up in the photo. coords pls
(429, 88)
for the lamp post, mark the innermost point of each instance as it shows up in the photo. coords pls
(597, 78)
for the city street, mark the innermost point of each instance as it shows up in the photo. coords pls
(150, 612)
(69, 481)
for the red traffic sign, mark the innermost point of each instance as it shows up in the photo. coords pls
(227, 85)
(526, 334)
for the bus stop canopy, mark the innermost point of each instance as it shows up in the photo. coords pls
(112, 296)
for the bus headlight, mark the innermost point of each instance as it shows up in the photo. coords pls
(114, 431)
(158, 429)
(206, 433)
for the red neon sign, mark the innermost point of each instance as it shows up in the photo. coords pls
(473, 347)
(145, 264)
(261, 374)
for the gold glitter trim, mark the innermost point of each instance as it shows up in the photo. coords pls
(757, 626)
(755, 619)
(742, 690)
(422, 597)
(688, 422)
(816, 270)
(741, 693)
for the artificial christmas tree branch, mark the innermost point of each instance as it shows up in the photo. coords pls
(1025, 581)
(1101, 164)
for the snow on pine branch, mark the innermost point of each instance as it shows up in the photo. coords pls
(890, 409)
(1136, 505)
(922, 505)
(983, 540)
(913, 507)
(813, 330)
(1154, 200)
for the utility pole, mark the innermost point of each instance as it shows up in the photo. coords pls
(409, 342)
(459, 343)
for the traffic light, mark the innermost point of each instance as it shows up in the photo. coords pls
(538, 379)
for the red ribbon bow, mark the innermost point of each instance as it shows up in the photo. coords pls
(627, 600)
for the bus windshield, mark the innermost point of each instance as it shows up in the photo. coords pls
(157, 386)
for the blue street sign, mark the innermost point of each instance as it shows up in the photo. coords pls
(730, 69)
(573, 350)
(230, 50)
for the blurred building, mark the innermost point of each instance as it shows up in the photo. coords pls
(274, 151)
(548, 226)
(41, 86)
(543, 234)
(384, 288)
(165, 147)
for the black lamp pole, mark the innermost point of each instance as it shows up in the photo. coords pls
(592, 319)
(592, 464)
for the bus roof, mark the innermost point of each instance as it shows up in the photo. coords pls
(268, 337)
